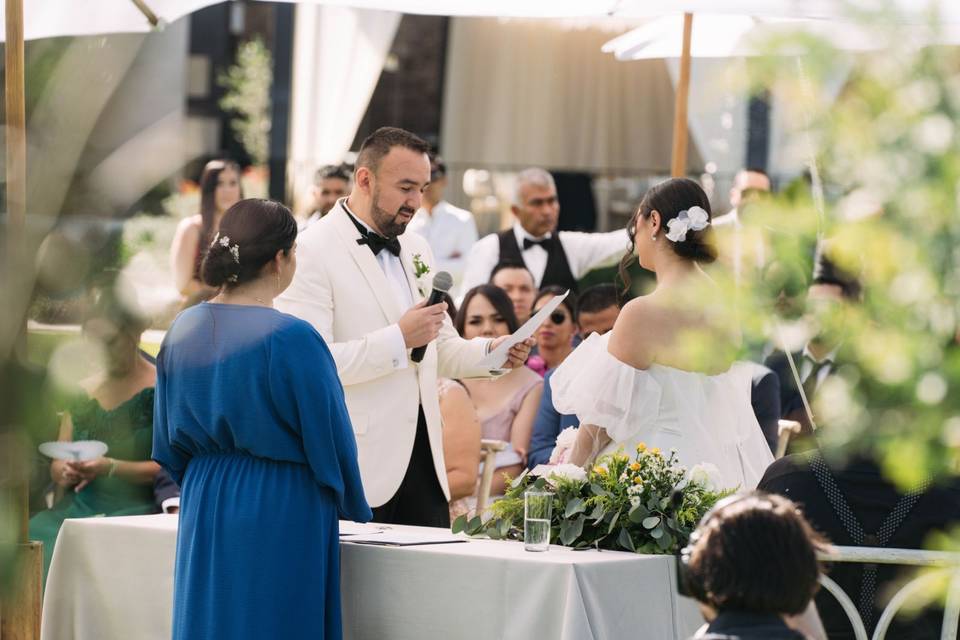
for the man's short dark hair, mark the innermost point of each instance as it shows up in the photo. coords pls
(827, 271)
(338, 171)
(379, 143)
(597, 298)
(511, 265)
(754, 553)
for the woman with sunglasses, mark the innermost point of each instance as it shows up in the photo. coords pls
(665, 375)
(506, 406)
(557, 335)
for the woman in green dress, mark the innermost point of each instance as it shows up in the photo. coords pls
(115, 407)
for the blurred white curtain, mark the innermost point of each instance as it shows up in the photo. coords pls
(539, 92)
(338, 53)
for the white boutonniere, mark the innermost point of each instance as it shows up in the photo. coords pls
(421, 272)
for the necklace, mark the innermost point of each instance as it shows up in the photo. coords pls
(250, 296)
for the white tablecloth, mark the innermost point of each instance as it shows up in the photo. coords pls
(112, 578)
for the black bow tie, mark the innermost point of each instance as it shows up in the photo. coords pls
(378, 243)
(530, 242)
(375, 241)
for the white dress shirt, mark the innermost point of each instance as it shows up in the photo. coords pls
(808, 362)
(585, 251)
(393, 269)
(451, 232)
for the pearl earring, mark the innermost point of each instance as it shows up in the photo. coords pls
(654, 237)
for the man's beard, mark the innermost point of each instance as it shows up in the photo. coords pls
(387, 222)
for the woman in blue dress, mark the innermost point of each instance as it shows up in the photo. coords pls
(250, 420)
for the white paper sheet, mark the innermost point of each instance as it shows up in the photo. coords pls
(498, 357)
(393, 538)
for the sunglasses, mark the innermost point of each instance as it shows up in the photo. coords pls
(558, 317)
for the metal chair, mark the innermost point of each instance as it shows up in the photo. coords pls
(942, 562)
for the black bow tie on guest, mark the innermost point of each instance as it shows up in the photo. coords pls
(530, 242)
(375, 241)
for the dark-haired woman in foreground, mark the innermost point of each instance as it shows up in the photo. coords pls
(665, 375)
(752, 566)
(250, 420)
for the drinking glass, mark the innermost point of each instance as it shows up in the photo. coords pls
(537, 512)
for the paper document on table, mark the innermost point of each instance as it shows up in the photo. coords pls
(498, 357)
(393, 538)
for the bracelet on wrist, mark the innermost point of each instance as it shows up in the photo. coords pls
(113, 467)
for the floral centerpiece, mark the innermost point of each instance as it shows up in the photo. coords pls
(647, 504)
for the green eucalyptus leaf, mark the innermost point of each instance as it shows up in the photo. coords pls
(460, 524)
(665, 541)
(651, 522)
(475, 524)
(613, 522)
(574, 506)
(656, 533)
(625, 541)
(638, 513)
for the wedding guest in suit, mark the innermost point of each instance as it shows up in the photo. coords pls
(219, 190)
(260, 443)
(557, 335)
(517, 281)
(362, 283)
(829, 297)
(114, 406)
(752, 565)
(330, 183)
(505, 405)
(847, 496)
(553, 257)
(450, 231)
(599, 308)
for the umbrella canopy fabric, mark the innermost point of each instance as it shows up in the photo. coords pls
(735, 36)
(54, 18)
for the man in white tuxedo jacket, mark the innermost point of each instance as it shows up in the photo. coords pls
(357, 283)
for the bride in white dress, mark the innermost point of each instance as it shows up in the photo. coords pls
(665, 375)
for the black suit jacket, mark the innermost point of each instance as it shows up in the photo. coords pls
(790, 401)
(765, 399)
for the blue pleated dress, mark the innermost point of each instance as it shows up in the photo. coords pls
(250, 419)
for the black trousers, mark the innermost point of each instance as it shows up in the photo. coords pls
(419, 500)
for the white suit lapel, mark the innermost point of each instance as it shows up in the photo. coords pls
(406, 259)
(367, 264)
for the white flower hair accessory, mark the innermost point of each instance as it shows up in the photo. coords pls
(234, 250)
(694, 218)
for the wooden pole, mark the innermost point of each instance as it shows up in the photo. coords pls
(20, 610)
(678, 166)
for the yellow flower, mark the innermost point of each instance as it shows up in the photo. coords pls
(655, 451)
(635, 466)
(641, 448)
(638, 480)
(622, 458)
(601, 470)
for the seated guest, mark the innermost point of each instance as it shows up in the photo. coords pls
(599, 308)
(854, 504)
(558, 334)
(517, 281)
(752, 566)
(115, 406)
(505, 405)
(829, 297)
(461, 443)
(330, 183)
(450, 231)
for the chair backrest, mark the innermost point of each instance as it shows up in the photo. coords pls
(786, 429)
(943, 564)
(488, 451)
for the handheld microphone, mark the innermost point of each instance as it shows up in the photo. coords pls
(442, 283)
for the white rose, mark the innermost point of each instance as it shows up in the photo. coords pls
(706, 475)
(565, 442)
(569, 472)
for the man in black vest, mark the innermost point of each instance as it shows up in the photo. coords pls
(554, 258)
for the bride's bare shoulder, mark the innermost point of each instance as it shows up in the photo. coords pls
(632, 338)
